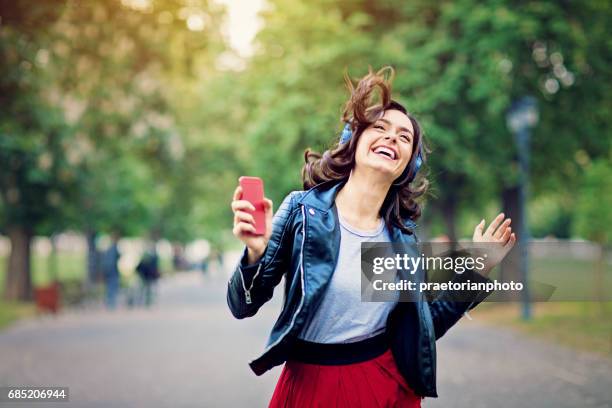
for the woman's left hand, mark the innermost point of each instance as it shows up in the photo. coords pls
(500, 235)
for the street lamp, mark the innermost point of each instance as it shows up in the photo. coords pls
(521, 118)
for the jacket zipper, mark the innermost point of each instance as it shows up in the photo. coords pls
(247, 292)
(302, 280)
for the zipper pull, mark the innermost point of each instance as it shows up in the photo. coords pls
(247, 295)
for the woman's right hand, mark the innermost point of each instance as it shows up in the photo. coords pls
(244, 226)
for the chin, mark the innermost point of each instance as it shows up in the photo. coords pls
(383, 169)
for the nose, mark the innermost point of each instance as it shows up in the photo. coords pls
(390, 137)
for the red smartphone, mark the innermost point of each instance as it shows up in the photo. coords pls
(253, 192)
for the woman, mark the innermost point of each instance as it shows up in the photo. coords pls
(338, 350)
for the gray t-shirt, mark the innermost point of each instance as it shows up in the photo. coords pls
(342, 317)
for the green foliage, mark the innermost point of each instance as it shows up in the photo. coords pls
(118, 117)
(35, 176)
(88, 133)
(550, 215)
(459, 66)
(89, 137)
(593, 215)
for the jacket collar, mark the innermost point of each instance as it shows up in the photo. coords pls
(322, 197)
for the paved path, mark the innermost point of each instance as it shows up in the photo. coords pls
(481, 366)
(189, 351)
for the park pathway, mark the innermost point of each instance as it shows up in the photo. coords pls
(188, 351)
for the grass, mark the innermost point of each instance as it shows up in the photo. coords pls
(11, 311)
(573, 279)
(570, 317)
(567, 280)
(580, 325)
(71, 271)
(70, 268)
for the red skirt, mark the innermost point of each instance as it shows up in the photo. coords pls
(368, 384)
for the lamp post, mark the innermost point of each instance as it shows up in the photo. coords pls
(521, 118)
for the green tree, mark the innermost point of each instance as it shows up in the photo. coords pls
(89, 126)
(593, 215)
(35, 175)
(460, 65)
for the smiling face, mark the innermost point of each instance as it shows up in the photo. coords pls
(386, 145)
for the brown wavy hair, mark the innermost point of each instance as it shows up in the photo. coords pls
(362, 110)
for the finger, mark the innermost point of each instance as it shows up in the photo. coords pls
(244, 217)
(242, 205)
(502, 229)
(478, 229)
(504, 238)
(480, 225)
(268, 205)
(511, 241)
(494, 224)
(237, 193)
(243, 228)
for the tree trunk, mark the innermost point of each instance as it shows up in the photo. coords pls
(92, 259)
(18, 285)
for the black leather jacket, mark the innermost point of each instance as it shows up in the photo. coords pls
(304, 248)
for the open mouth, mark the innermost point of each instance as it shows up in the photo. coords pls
(385, 152)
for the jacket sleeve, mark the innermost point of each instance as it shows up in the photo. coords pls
(250, 286)
(451, 305)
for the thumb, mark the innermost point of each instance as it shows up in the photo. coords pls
(269, 214)
(267, 205)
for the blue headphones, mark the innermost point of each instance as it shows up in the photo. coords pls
(347, 134)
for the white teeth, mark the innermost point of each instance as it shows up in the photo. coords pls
(382, 149)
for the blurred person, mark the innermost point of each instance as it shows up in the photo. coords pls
(179, 263)
(205, 264)
(220, 258)
(148, 271)
(338, 350)
(110, 269)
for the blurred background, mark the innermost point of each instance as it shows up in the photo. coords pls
(125, 124)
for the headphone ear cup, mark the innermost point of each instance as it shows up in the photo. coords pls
(418, 164)
(346, 134)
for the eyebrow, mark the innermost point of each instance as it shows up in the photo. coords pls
(401, 128)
